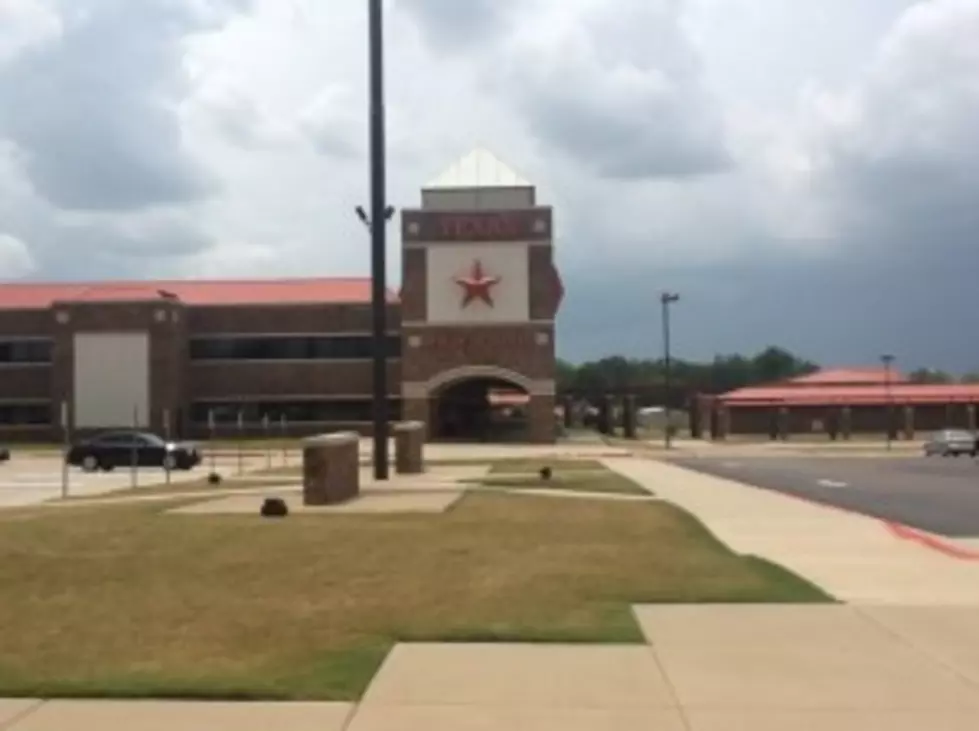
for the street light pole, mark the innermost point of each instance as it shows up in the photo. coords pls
(666, 299)
(378, 229)
(888, 361)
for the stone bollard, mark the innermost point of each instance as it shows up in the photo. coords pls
(331, 469)
(409, 448)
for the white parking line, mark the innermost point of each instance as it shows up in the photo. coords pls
(833, 484)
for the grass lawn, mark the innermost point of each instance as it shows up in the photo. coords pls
(510, 466)
(179, 488)
(514, 465)
(599, 480)
(124, 601)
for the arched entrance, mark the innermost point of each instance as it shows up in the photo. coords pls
(479, 405)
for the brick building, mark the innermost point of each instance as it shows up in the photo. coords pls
(840, 403)
(475, 316)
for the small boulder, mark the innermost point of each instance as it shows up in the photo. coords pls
(214, 479)
(546, 473)
(274, 507)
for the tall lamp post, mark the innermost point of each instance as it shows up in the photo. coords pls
(666, 299)
(378, 215)
(888, 361)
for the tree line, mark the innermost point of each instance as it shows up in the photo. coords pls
(724, 373)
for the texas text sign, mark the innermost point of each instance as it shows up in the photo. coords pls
(447, 226)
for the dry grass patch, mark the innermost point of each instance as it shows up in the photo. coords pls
(179, 489)
(596, 481)
(511, 466)
(125, 601)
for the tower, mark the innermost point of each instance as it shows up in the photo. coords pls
(480, 294)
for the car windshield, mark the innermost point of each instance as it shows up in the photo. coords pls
(129, 438)
(958, 434)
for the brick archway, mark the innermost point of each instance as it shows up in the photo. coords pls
(465, 373)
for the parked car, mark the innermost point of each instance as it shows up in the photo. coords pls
(952, 443)
(123, 448)
(4, 454)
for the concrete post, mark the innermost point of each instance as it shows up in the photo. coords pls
(970, 411)
(568, 404)
(629, 416)
(605, 416)
(909, 423)
(846, 422)
(723, 422)
(783, 423)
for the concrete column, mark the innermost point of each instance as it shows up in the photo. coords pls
(331, 469)
(723, 422)
(541, 421)
(970, 412)
(783, 423)
(417, 409)
(568, 403)
(605, 416)
(909, 423)
(629, 417)
(846, 422)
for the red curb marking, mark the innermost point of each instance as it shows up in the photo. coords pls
(901, 531)
(935, 543)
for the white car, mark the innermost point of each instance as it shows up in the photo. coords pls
(951, 443)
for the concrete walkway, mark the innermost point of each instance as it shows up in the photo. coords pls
(705, 668)
(903, 656)
(856, 559)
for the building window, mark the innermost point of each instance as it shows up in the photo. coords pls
(25, 414)
(28, 352)
(295, 412)
(290, 347)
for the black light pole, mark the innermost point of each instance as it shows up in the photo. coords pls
(378, 231)
(666, 299)
(888, 361)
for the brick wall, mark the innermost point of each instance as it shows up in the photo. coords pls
(514, 347)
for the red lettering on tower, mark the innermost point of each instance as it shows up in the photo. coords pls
(512, 225)
(493, 227)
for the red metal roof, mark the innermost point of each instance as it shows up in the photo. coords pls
(201, 293)
(899, 393)
(849, 376)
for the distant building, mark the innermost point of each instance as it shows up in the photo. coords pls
(475, 315)
(841, 402)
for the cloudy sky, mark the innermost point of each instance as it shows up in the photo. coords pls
(805, 174)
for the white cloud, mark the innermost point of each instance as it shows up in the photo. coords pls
(15, 257)
(666, 132)
(25, 23)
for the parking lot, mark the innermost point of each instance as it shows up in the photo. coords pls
(31, 479)
(938, 495)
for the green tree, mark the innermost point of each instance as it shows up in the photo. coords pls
(929, 375)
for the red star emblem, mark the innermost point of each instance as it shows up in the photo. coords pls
(477, 285)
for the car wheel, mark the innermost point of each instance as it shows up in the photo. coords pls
(90, 463)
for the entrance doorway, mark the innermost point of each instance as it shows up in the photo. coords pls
(480, 410)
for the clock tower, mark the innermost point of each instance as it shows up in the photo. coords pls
(479, 298)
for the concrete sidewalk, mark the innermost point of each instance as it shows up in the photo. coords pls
(705, 668)
(902, 657)
(855, 558)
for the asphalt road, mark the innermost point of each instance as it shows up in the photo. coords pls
(938, 495)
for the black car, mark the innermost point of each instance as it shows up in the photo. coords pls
(4, 454)
(125, 448)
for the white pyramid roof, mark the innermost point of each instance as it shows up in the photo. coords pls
(479, 169)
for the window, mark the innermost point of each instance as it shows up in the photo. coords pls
(290, 347)
(25, 351)
(295, 412)
(25, 414)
